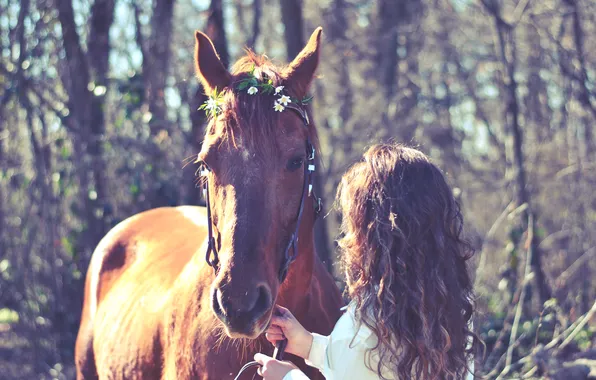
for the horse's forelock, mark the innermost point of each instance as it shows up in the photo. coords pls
(252, 117)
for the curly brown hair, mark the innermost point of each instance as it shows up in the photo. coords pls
(405, 263)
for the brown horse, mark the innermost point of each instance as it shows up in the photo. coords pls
(154, 308)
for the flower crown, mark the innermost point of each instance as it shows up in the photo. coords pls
(215, 104)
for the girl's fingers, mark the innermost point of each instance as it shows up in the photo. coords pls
(281, 321)
(262, 359)
(282, 311)
(274, 330)
(274, 337)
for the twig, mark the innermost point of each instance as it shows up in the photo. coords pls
(563, 277)
(561, 336)
(530, 373)
(522, 295)
(580, 325)
(497, 223)
(495, 370)
(519, 12)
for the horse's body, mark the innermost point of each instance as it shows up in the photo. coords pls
(149, 296)
(147, 305)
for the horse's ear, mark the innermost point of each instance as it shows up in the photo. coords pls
(209, 68)
(301, 71)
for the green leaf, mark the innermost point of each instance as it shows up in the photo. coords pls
(267, 88)
(68, 246)
(134, 189)
(307, 99)
(243, 85)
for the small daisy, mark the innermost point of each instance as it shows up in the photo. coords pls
(278, 107)
(252, 90)
(278, 89)
(211, 104)
(284, 99)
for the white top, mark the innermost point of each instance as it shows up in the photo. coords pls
(341, 355)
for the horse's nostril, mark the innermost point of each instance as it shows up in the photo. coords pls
(248, 304)
(263, 302)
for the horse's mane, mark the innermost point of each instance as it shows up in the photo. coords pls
(251, 119)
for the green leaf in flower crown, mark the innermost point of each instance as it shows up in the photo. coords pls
(307, 99)
(243, 84)
(253, 82)
(267, 88)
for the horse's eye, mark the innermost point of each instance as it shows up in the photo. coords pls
(294, 163)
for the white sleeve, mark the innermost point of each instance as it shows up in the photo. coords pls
(295, 374)
(336, 359)
(318, 351)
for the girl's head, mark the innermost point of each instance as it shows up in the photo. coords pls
(405, 262)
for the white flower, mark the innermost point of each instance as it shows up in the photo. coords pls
(252, 90)
(284, 99)
(278, 89)
(211, 104)
(278, 107)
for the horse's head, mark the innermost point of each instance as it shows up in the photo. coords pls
(257, 158)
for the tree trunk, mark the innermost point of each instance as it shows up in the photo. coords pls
(256, 23)
(156, 64)
(156, 61)
(87, 112)
(389, 14)
(291, 16)
(98, 43)
(215, 29)
(507, 55)
(394, 18)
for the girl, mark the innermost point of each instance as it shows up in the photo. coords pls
(405, 262)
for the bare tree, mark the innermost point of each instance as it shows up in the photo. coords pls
(508, 56)
(86, 104)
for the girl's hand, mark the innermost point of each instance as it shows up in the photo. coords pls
(272, 369)
(285, 326)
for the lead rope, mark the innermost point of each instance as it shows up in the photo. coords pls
(278, 354)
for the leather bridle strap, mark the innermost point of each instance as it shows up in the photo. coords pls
(211, 247)
(309, 168)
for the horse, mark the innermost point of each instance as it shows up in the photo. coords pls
(187, 292)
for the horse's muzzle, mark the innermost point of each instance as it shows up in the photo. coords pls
(242, 315)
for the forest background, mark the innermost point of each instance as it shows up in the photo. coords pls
(98, 110)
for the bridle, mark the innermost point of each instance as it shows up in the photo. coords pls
(212, 256)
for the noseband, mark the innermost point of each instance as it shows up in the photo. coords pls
(212, 256)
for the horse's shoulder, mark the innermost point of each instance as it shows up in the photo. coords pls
(156, 241)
